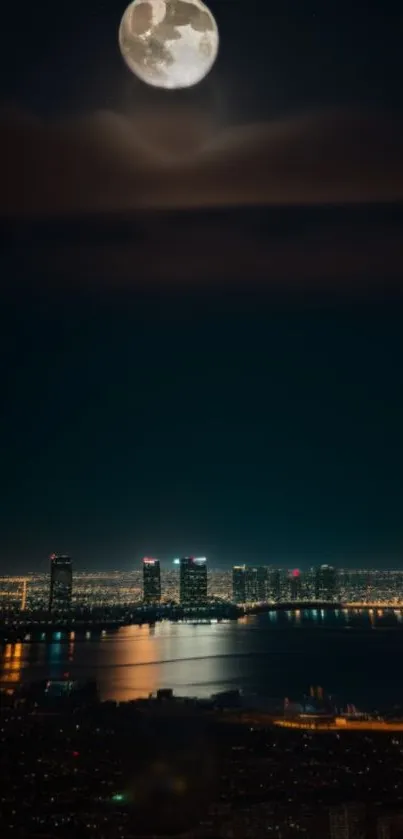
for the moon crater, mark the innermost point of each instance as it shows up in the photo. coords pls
(169, 43)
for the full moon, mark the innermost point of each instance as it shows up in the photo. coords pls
(169, 43)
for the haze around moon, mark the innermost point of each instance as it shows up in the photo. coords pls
(169, 44)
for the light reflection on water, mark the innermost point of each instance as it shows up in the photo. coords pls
(277, 653)
(12, 656)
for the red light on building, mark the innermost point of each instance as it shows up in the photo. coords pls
(296, 572)
(76, 754)
(149, 561)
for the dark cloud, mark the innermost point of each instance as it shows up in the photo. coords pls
(106, 162)
(166, 199)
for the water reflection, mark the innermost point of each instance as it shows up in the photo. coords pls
(278, 652)
(55, 651)
(145, 658)
(11, 663)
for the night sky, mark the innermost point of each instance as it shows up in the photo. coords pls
(202, 357)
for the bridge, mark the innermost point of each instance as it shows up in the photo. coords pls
(341, 724)
(375, 604)
(311, 722)
(300, 605)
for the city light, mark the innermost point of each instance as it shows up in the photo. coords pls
(249, 586)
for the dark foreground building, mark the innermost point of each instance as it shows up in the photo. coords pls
(193, 581)
(61, 584)
(239, 583)
(151, 580)
(326, 583)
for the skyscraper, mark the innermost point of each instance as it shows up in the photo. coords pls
(295, 585)
(256, 584)
(262, 579)
(249, 585)
(274, 585)
(151, 580)
(239, 583)
(193, 581)
(326, 583)
(61, 584)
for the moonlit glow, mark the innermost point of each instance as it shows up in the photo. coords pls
(169, 43)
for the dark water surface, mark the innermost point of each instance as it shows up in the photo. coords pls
(355, 655)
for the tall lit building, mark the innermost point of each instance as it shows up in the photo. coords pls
(309, 583)
(249, 585)
(262, 578)
(151, 580)
(295, 584)
(239, 583)
(256, 584)
(326, 583)
(193, 581)
(61, 584)
(274, 585)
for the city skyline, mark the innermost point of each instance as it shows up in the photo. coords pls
(190, 583)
